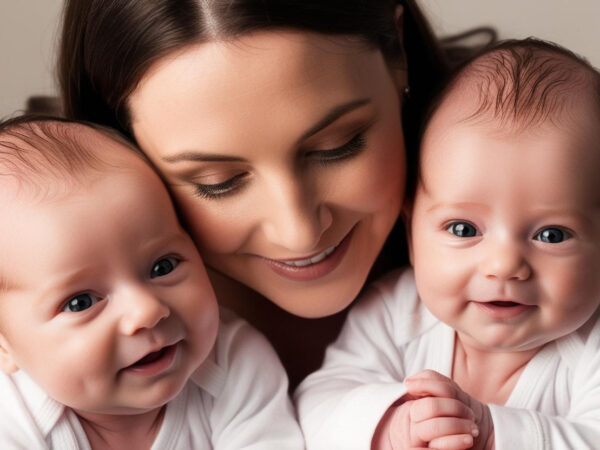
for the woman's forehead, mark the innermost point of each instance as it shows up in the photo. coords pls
(226, 87)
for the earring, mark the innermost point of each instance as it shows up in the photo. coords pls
(406, 93)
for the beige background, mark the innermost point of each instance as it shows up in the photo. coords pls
(28, 29)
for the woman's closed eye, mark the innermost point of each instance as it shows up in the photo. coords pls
(222, 189)
(325, 157)
(351, 148)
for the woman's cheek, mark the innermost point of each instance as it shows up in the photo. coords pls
(379, 184)
(212, 225)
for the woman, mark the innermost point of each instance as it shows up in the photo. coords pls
(277, 126)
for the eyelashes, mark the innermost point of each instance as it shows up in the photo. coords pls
(218, 190)
(548, 235)
(348, 150)
(462, 229)
(553, 235)
(322, 157)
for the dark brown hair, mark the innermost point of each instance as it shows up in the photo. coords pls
(107, 45)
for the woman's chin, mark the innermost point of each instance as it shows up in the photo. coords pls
(313, 302)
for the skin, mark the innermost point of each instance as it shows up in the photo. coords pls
(277, 146)
(508, 188)
(112, 243)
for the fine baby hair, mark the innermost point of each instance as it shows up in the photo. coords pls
(522, 82)
(36, 148)
(519, 83)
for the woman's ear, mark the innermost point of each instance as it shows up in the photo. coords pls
(7, 363)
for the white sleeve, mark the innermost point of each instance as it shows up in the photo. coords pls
(254, 410)
(341, 404)
(579, 429)
(18, 429)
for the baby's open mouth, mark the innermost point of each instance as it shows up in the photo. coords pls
(151, 357)
(505, 304)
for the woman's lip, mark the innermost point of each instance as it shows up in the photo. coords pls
(503, 309)
(326, 262)
(162, 363)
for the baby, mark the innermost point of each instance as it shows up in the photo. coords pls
(107, 314)
(500, 348)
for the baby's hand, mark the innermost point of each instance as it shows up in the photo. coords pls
(439, 415)
(430, 422)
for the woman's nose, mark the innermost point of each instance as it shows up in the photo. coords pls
(295, 219)
(140, 309)
(505, 261)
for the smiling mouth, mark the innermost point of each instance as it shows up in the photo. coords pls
(505, 304)
(312, 260)
(504, 309)
(312, 267)
(150, 358)
(153, 360)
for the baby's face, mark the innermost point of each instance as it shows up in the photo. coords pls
(108, 307)
(506, 228)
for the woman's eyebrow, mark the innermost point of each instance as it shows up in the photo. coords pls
(194, 156)
(335, 114)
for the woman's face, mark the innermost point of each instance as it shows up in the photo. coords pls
(285, 155)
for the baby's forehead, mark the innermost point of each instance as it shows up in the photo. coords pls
(519, 88)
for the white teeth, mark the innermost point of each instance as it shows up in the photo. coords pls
(315, 259)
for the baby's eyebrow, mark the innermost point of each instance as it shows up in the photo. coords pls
(7, 285)
(482, 207)
(583, 218)
(61, 283)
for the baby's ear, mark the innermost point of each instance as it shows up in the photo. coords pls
(7, 363)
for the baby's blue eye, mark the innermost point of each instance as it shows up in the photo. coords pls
(80, 302)
(462, 229)
(552, 235)
(164, 267)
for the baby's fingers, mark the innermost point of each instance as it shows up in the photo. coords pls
(421, 387)
(443, 388)
(430, 407)
(454, 442)
(433, 430)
